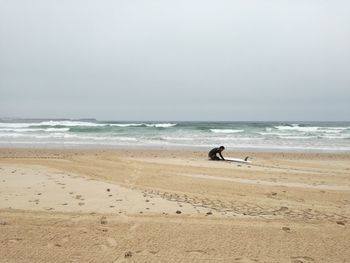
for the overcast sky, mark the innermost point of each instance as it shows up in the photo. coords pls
(175, 60)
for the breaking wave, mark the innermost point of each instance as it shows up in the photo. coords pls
(226, 131)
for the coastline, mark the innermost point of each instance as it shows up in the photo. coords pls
(284, 207)
(97, 147)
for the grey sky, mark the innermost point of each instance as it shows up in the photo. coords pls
(175, 60)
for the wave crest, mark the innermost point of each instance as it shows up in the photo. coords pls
(226, 131)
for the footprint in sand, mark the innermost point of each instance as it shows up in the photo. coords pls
(245, 260)
(3, 223)
(146, 252)
(104, 248)
(15, 240)
(64, 240)
(286, 229)
(75, 259)
(197, 252)
(50, 245)
(103, 220)
(111, 242)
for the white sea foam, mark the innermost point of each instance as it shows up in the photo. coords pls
(297, 128)
(126, 124)
(14, 125)
(235, 139)
(296, 137)
(226, 131)
(34, 130)
(274, 133)
(333, 130)
(156, 125)
(69, 123)
(313, 129)
(161, 125)
(56, 129)
(335, 136)
(178, 138)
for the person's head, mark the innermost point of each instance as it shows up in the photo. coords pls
(222, 148)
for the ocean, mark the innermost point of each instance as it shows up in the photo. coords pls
(262, 136)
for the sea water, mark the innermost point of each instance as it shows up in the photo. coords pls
(265, 136)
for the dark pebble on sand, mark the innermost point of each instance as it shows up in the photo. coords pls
(108, 190)
(128, 254)
(341, 223)
(178, 212)
(209, 213)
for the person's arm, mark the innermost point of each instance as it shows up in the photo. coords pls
(221, 156)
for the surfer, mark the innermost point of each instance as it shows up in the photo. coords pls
(213, 153)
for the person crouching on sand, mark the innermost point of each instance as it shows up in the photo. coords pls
(213, 153)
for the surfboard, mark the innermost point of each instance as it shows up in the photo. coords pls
(237, 160)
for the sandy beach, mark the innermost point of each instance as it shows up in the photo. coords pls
(173, 206)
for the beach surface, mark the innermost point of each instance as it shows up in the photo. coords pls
(147, 205)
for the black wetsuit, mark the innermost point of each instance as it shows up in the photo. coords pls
(213, 154)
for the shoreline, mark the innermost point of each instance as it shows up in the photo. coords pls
(169, 148)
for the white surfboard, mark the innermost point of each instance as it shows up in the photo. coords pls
(238, 160)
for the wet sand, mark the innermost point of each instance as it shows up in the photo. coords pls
(172, 206)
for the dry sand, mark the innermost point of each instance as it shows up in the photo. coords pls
(172, 206)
